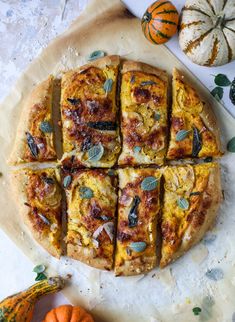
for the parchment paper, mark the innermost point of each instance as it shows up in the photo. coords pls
(167, 295)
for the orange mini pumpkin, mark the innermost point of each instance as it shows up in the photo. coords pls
(68, 313)
(160, 21)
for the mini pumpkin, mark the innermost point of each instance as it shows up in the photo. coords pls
(207, 31)
(160, 21)
(68, 313)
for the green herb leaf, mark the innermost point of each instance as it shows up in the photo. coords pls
(149, 183)
(218, 93)
(208, 159)
(39, 269)
(137, 149)
(146, 83)
(133, 214)
(138, 246)
(197, 142)
(182, 134)
(183, 203)
(46, 127)
(215, 274)
(32, 145)
(108, 84)
(86, 193)
(103, 125)
(111, 172)
(74, 101)
(40, 277)
(222, 80)
(196, 310)
(157, 116)
(195, 193)
(48, 180)
(231, 145)
(95, 153)
(95, 55)
(44, 219)
(232, 92)
(67, 181)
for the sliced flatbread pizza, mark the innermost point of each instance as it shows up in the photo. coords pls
(91, 207)
(191, 200)
(138, 214)
(39, 198)
(143, 114)
(89, 114)
(35, 137)
(194, 131)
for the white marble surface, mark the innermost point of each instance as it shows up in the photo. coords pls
(27, 26)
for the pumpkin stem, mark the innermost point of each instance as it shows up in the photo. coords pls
(147, 16)
(220, 22)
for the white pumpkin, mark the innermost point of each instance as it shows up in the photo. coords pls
(207, 31)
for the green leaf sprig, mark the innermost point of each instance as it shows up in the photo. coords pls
(221, 80)
(39, 270)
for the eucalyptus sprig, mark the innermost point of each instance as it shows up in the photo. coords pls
(221, 80)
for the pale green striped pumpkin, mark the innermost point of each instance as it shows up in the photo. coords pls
(207, 31)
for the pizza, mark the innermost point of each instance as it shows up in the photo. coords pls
(35, 137)
(128, 208)
(138, 214)
(91, 200)
(143, 114)
(192, 195)
(89, 114)
(194, 132)
(39, 196)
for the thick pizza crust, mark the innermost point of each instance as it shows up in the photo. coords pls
(19, 181)
(41, 95)
(196, 230)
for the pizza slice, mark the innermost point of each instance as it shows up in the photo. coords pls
(39, 197)
(143, 114)
(91, 206)
(35, 138)
(194, 131)
(191, 200)
(89, 114)
(138, 214)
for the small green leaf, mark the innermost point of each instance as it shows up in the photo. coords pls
(46, 127)
(108, 84)
(146, 83)
(149, 183)
(218, 93)
(195, 193)
(96, 54)
(215, 274)
(232, 92)
(39, 269)
(157, 116)
(182, 134)
(86, 193)
(138, 247)
(222, 80)
(231, 145)
(208, 159)
(183, 203)
(137, 149)
(95, 153)
(196, 310)
(40, 277)
(67, 181)
(197, 142)
(111, 172)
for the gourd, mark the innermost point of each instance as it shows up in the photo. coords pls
(160, 21)
(19, 307)
(68, 313)
(207, 31)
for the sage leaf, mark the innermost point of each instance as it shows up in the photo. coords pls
(133, 214)
(183, 203)
(208, 159)
(95, 55)
(197, 142)
(157, 116)
(218, 93)
(182, 134)
(222, 80)
(149, 183)
(195, 193)
(95, 153)
(74, 101)
(48, 180)
(215, 274)
(103, 125)
(138, 247)
(196, 310)
(67, 181)
(86, 193)
(46, 127)
(111, 172)
(39, 269)
(44, 219)
(137, 149)
(32, 145)
(232, 92)
(146, 83)
(108, 84)
(231, 145)
(40, 277)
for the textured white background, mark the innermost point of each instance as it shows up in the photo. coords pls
(26, 27)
